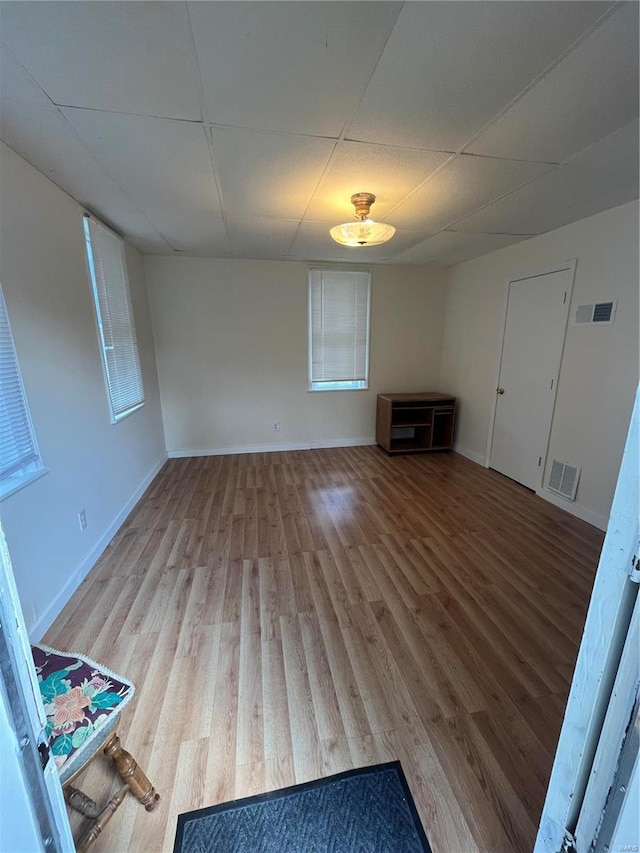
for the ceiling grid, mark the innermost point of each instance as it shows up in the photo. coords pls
(223, 129)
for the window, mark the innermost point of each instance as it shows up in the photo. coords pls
(19, 457)
(339, 303)
(110, 282)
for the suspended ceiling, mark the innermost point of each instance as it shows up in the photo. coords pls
(241, 129)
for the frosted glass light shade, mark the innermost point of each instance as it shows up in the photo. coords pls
(362, 233)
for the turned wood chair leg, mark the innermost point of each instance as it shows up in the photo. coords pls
(102, 820)
(79, 801)
(131, 774)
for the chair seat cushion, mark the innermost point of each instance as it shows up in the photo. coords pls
(82, 700)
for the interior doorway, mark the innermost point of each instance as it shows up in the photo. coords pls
(534, 332)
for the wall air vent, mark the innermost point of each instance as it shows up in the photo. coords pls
(563, 479)
(598, 313)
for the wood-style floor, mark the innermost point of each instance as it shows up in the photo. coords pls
(287, 616)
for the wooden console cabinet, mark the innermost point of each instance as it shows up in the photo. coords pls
(414, 423)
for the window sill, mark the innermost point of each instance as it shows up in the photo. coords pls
(16, 482)
(338, 387)
(116, 419)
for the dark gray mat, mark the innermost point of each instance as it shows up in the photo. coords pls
(369, 810)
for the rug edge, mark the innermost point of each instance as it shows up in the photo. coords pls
(396, 765)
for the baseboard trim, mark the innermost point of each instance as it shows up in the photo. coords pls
(55, 607)
(235, 449)
(595, 518)
(471, 454)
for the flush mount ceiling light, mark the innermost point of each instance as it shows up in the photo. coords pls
(363, 232)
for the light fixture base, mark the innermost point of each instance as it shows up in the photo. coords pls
(362, 203)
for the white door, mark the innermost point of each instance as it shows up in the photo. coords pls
(535, 325)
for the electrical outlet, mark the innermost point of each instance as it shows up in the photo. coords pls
(276, 427)
(82, 519)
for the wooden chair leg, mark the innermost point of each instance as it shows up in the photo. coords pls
(102, 820)
(79, 802)
(131, 774)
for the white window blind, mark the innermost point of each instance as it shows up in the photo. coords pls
(18, 449)
(338, 329)
(112, 298)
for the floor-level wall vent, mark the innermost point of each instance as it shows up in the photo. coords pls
(595, 314)
(563, 479)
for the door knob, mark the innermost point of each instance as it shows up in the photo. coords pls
(499, 390)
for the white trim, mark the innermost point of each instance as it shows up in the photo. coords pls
(612, 738)
(236, 449)
(47, 618)
(18, 481)
(478, 458)
(583, 512)
(598, 657)
(344, 442)
(23, 669)
(571, 265)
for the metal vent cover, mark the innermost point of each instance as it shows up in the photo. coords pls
(597, 313)
(563, 479)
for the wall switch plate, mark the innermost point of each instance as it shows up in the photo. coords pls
(82, 519)
(276, 427)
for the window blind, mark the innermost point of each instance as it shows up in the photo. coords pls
(339, 328)
(18, 447)
(105, 252)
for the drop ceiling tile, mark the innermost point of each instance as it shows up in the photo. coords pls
(296, 67)
(448, 68)
(562, 196)
(126, 57)
(268, 239)
(161, 164)
(268, 174)
(194, 231)
(16, 83)
(449, 247)
(615, 155)
(42, 137)
(581, 210)
(461, 186)
(313, 242)
(589, 94)
(389, 173)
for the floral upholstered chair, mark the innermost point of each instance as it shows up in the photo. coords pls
(83, 701)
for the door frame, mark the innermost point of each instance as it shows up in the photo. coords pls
(601, 648)
(26, 720)
(560, 266)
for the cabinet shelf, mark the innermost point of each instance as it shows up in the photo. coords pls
(413, 423)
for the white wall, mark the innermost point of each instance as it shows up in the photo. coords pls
(231, 346)
(92, 463)
(599, 371)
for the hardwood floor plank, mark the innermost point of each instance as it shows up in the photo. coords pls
(307, 759)
(325, 703)
(277, 729)
(475, 790)
(290, 615)
(432, 793)
(279, 773)
(221, 764)
(193, 618)
(250, 727)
